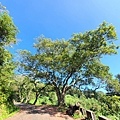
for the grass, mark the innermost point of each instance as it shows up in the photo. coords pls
(9, 115)
(6, 112)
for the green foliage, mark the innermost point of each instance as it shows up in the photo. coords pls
(8, 30)
(8, 33)
(74, 92)
(77, 115)
(48, 98)
(7, 36)
(108, 106)
(113, 117)
(112, 105)
(23, 88)
(105, 105)
(53, 98)
(113, 86)
(44, 100)
(71, 100)
(6, 110)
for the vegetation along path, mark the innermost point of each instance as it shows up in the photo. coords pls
(44, 112)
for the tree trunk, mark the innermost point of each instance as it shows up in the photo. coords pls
(60, 97)
(61, 100)
(36, 98)
(27, 97)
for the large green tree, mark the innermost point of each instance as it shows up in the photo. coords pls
(8, 33)
(71, 63)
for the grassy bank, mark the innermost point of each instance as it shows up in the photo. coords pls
(7, 111)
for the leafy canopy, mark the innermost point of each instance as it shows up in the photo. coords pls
(8, 33)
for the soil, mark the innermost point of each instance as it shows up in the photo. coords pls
(44, 112)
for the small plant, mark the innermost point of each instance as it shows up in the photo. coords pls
(78, 114)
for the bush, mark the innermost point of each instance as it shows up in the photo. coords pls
(71, 100)
(78, 114)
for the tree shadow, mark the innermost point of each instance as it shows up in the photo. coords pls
(51, 110)
(38, 109)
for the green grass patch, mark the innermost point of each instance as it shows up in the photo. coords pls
(7, 111)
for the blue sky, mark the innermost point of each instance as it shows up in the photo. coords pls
(58, 19)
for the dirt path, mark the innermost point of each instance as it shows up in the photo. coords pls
(44, 112)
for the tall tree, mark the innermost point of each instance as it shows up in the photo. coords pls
(73, 62)
(8, 33)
